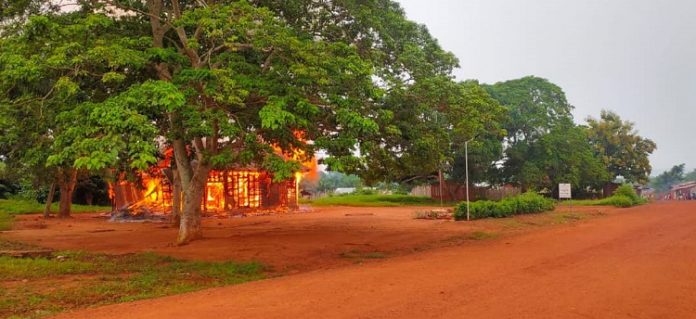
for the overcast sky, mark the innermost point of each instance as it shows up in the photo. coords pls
(636, 57)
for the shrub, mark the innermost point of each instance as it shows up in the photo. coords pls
(526, 203)
(618, 201)
(624, 196)
(628, 191)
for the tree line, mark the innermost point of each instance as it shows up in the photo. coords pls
(677, 174)
(101, 86)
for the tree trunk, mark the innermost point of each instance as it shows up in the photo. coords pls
(176, 198)
(49, 200)
(190, 221)
(67, 178)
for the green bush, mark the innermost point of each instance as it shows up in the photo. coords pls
(618, 201)
(628, 191)
(526, 203)
(624, 196)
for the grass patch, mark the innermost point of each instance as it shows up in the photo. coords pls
(20, 207)
(616, 201)
(6, 245)
(373, 201)
(477, 235)
(39, 287)
(5, 221)
(359, 255)
(482, 235)
(11, 207)
(568, 218)
(512, 223)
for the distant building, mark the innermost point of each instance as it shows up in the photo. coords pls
(683, 191)
(646, 192)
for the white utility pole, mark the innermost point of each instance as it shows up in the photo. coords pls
(466, 166)
(439, 173)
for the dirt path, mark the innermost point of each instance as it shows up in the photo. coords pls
(639, 263)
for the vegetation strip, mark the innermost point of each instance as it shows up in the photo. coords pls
(11, 207)
(526, 203)
(624, 196)
(39, 287)
(373, 200)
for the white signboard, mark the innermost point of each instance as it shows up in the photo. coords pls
(564, 191)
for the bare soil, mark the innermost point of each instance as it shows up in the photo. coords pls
(630, 263)
(320, 238)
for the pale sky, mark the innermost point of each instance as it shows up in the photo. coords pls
(636, 57)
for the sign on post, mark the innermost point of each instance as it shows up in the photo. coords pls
(564, 191)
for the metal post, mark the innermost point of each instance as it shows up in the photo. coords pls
(440, 177)
(466, 166)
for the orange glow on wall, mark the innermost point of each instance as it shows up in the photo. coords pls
(215, 198)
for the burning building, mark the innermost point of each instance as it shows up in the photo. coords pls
(231, 191)
(228, 191)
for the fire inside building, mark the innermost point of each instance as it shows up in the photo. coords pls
(226, 192)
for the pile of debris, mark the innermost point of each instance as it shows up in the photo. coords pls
(140, 212)
(446, 214)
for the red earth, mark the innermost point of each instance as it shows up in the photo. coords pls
(321, 238)
(621, 263)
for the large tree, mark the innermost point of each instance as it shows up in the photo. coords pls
(234, 81)
(425, 115)
(228, 83)
(535, 107)
(562, 156)
(622, 150)
(427, 128)
(479, 119)
(50, 64)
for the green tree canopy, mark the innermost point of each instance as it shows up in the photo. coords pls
(535, 106)
(622, 150)
(229, 83)
(51, 66)
(561, 156)
(424, 115)
(691, 176)
(664, 181)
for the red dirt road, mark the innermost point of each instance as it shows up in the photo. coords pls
(638, 263)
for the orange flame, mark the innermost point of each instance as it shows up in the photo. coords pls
(310, 166)
(154, 191)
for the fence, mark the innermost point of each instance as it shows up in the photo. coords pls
(453, 192)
